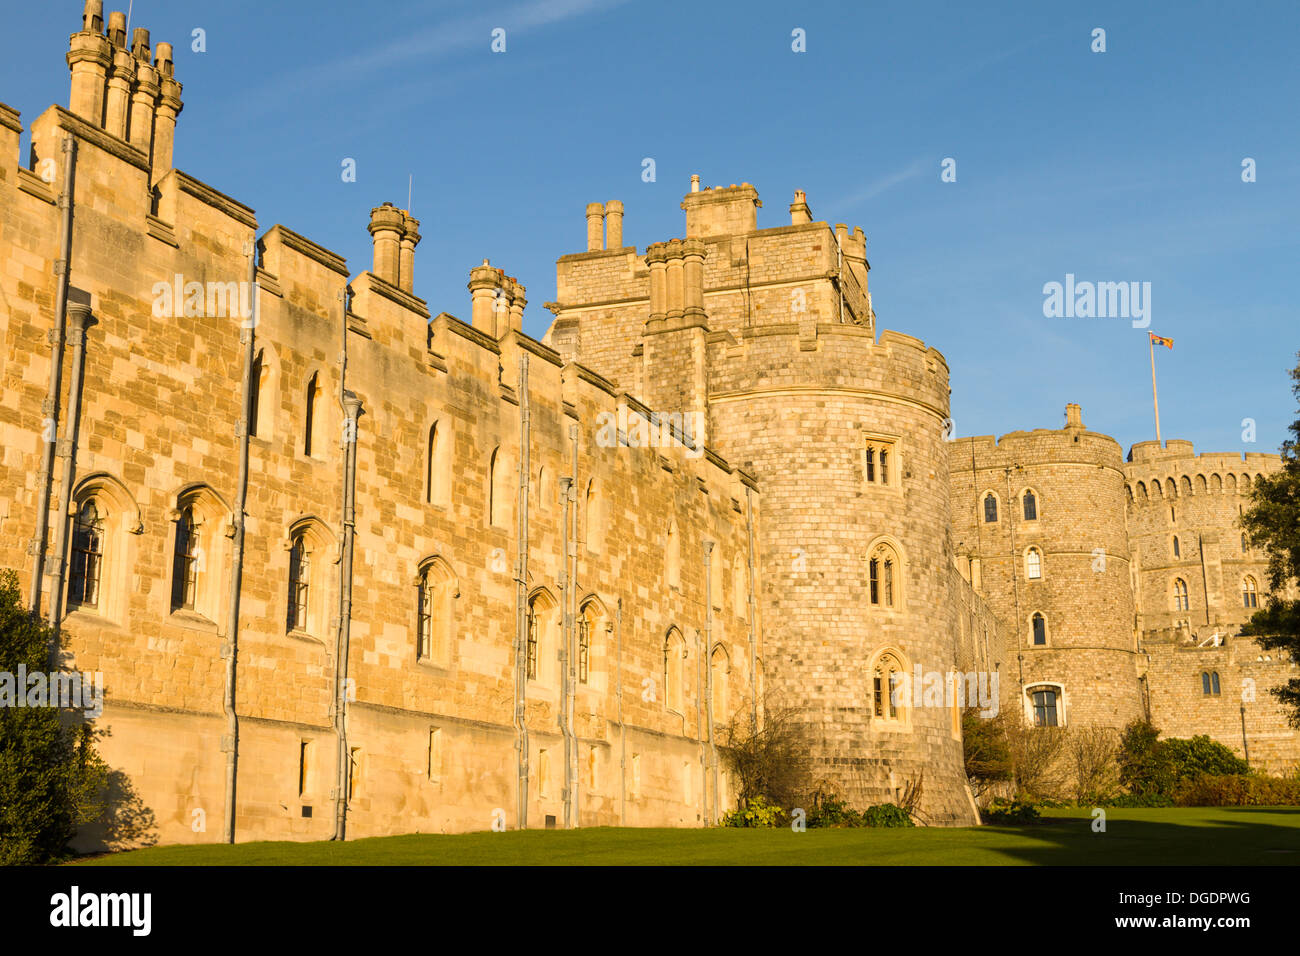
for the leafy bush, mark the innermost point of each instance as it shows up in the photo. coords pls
(1010, 811)
(831, 811)
(1137, 800)
(756, 812)
(1201, 755)
(886, 815)
(987, 754)
(51, 778)
(1237, 790)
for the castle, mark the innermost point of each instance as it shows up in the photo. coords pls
(352, 568)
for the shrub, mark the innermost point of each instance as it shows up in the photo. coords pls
(886, 815)
(984, 744)
(1010, 811)
(1091, 751)
(1237, 790)
(51, 778)
(1201, 755)
(831, 811)
(1143, 767)
(757, 812)
(768, 757)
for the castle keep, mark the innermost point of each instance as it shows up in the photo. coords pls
(350, 566)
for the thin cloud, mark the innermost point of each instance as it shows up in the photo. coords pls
(875, 188)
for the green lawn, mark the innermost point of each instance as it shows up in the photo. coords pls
(1183, 836)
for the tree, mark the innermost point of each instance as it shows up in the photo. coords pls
(770, 758)
(51, 778)
(1273, 523)
(988, 757)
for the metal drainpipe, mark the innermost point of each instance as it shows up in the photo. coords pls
(1015, 587)
(701, 703)
(81, 318)
(753, 635)
(708, 672)
(566, 486)
(573, 776)
(521, 600)
(50, 407)
(622, 727)
(351, 406)
(247, 335)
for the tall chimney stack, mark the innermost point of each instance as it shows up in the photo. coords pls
(117, 106)
(144, 97)
(406, 258)
(1073, 416)
(89, 57)
(595, 227)
(386, 224)
(169, 107)
(483, 284)
(614, 224)
(799, 211)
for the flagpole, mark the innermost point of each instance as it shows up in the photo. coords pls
(1155, 401)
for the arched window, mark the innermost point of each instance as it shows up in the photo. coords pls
(880, 462)
(1177, 549)
(1031, 506)
(305, 606)
(1185, 485)
(1046, 703)
(888, 688)
(884, 577)
(545, 493)
(1244, 546)
(720, 662)
(430, 465)
(1180, 595)
(257, 380)
(1039, 626)
(674, 671)
(1216, 484)
(494, 504)
(990, 508)
(311, 420)
(673, 556)
(435, 591)
(595, 512)
(589, 622)
(299, 583)
(1249, 597)
(87, 556)
(1210, 683)
(541, 643)
(1033, 564)
(185, 561)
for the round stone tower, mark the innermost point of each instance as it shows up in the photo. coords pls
(845, 433)
(1040, 517)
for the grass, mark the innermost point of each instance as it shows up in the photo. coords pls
(1166, 836)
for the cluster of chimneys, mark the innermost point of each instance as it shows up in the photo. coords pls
(396, 233)
(497, 301)
(117, 89)
(676, 279)
(604, 225)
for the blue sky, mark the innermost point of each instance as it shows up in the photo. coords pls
(1115, 166)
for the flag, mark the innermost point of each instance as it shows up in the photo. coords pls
(1160, 340)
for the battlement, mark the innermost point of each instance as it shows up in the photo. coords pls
(1072, 443)
(1179, 450)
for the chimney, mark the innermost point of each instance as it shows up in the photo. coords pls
(595, 227)
(406, 256)
(695, 183)
(1073, 416)
(144, 97)
(117, 107)
(799, 211)
(386, 224)
(169, 107)
(89, 57)
(693, 279)
(483, 285)
(656, 257)
(722, 211)
(614, 224)
(676, 285)
(517, 303)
